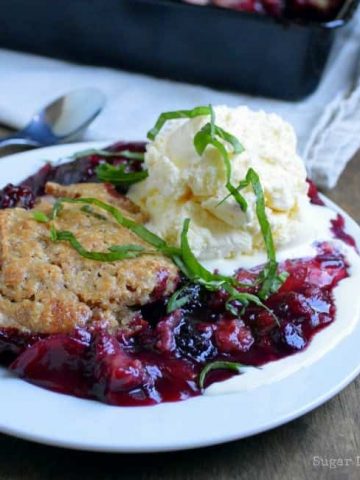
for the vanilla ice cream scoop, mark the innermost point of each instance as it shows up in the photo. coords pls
(182, 184)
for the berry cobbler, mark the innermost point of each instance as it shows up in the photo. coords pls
(200, 262)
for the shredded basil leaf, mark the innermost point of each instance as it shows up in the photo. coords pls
(116, 252)
(91, 211)
(245, 299)
(193, 269)
(212, 121)
(178, 299)
(238, 197)
(269, 279)
(193, 266)
(209, 132)
(53, 233)
(219, 365)
(108, 154)
(57, 208)
(232, 308)
(270, 272)
(127, 248)
(40, 217)
(116, 175)
(229, 138)
(164, 117)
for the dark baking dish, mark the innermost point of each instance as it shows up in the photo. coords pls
(251, 53)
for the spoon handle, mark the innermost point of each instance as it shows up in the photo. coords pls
(17, 140)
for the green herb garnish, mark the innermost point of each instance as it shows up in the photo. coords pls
(219, 365)
(117, 175)
(211, 130)
(178, 299)
(244, 299)
(165, 116)
(108, 154)
(115, 253)
(193, 269)
(87, 209)
(53, 233)
(269, 279)
(40, 216)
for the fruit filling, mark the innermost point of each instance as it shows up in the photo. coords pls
(159, 356)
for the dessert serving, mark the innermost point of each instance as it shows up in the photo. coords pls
(201, 262)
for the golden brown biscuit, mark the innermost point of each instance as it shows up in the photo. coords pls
(49, 287)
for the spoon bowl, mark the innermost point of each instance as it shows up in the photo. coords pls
(62, 120)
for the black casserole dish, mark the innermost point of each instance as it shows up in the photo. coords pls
(222, 48)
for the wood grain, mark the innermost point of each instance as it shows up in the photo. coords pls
(286, 453)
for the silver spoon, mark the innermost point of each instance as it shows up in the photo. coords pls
(61, 120)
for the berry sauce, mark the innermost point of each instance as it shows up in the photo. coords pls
(338, 230)
(159, 358)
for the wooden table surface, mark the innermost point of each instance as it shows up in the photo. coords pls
(307, 448)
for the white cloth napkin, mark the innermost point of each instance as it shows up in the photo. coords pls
(327, 123)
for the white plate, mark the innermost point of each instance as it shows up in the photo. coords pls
(36, 414)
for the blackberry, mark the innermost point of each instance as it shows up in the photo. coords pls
(12, 196)
(193, 343)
